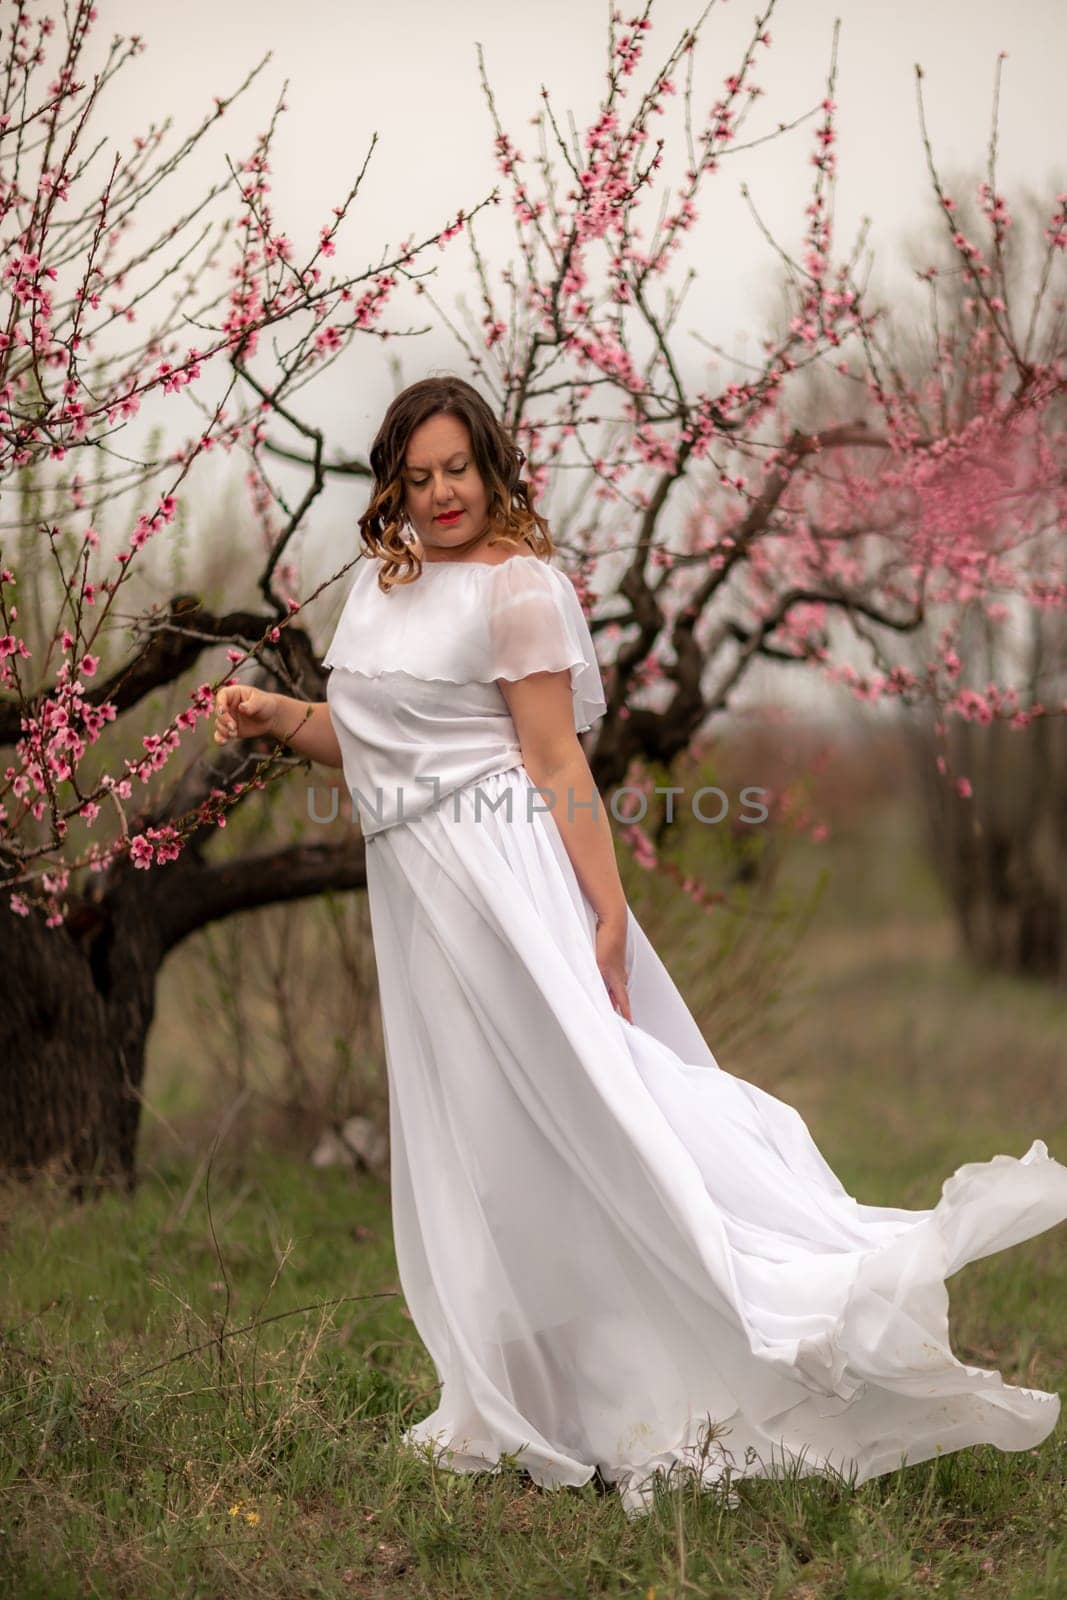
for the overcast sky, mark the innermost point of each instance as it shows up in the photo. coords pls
(407, 70)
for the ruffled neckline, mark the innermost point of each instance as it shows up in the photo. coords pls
(480, 630)
(482, 566)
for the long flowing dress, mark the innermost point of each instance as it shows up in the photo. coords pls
(618, 1254)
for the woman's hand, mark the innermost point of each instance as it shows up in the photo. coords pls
(244, 712)
(611, 959)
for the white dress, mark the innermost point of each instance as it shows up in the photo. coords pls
(618, 1254)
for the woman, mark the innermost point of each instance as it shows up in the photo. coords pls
(619, 1256)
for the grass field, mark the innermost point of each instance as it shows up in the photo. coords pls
(151, 1447)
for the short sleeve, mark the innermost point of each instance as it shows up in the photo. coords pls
(536, 624)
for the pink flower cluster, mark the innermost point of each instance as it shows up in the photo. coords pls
(155, 846)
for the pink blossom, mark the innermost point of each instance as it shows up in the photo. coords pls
(141, 853)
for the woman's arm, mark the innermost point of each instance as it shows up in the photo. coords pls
(305, 726)
(542, 710)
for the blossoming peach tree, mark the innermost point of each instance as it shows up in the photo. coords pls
(207, 324)
(881, 482)
(711, 514)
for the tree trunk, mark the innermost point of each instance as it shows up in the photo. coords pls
(72, 1035)
(79, 1000)
(1002, 852)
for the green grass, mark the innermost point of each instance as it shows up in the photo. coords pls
(266, 1462)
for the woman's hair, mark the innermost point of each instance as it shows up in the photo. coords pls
(512, 518)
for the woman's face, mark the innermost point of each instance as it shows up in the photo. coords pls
(444, 495)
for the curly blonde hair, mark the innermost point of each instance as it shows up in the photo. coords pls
(498, 459)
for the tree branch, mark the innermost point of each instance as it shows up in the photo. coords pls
(178, 637)
(193, 893)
